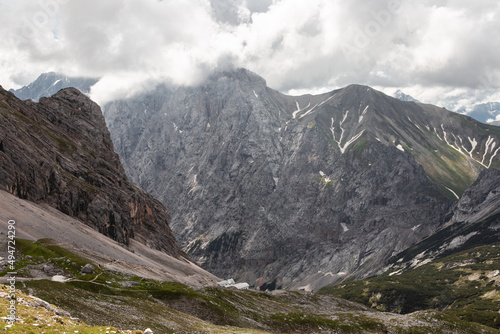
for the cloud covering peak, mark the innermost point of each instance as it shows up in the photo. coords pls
(426, 48)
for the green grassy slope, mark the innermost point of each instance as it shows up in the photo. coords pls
(129, 303)
(465, 284)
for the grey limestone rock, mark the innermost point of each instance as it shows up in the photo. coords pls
(304, 190)
(59, 152)
(88, 269)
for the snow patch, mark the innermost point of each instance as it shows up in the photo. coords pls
(414, 228)
(344, 226)
(423, 262)
(490, 146)
(230, 283)
(276, 180)
(473, 143)
(399, 272)
(316, 106)
(454, 193)
(55, 83)
(294, 114)
(400, 147)
(339, 142)
(254, 93)
(59, 278)
(363, 114)
(176, 128)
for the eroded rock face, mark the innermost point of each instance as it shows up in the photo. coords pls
(59, 152)
(481, 199)
(473, 221)
(300, 191)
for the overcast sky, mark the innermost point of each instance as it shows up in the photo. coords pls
(441, 52)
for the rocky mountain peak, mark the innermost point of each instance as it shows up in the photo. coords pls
(59, 152)
(297, 191)
(47, 84)
(240, 74)
(267, 187)
(404, 97)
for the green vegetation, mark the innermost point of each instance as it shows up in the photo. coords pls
(32, 318)
(465, 285)
(107, 298)
(64, 145)
(359, 147)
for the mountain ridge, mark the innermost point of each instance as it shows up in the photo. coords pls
(225, 154)
(238, 153)
(59, 152)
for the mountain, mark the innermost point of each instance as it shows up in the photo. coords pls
(483, 111)
(301, 191)
(59, 152)
(58, 235)
(166, 307)
(456, 270)
(475, 222)
(404, 97)
(47, 84)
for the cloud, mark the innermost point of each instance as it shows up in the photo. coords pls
(429, 48)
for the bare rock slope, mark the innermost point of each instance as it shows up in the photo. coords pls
(297, 191)
(59, 152)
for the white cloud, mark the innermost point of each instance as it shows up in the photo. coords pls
(437, 51)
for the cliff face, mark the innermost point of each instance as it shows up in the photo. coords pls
(59, 152)
(301, 191)
(298, 191)
(481, 200)
(475, 221)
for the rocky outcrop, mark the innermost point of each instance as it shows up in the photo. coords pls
(59, 152)
(47, 84)
(299, 191)
(481, 200)
(474, 221)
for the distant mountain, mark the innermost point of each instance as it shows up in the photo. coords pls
(47, 84)
(404, 97)
(483, 112)
(297, 191)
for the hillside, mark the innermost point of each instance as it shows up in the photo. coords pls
(59, 152)
(96, 301)
(300, 191)
(456, 270)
